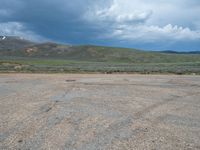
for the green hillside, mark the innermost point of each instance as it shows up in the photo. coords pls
(20, 55)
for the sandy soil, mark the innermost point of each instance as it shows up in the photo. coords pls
(97, 112)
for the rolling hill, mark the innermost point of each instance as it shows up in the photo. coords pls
(15, 50)
(17, 47)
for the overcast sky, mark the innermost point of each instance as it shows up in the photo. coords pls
(144, 24)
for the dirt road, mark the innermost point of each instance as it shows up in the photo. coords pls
(97, 112)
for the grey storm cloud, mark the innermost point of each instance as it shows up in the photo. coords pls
(58, 19)
(109, 22)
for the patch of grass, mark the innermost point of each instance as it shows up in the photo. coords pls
(59, 65)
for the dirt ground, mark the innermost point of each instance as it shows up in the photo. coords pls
(99, 112)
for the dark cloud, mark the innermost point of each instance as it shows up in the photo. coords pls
(91, 21)
(59, 20)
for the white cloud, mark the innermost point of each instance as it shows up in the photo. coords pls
(118, 13)
(18, 29)
(147, 21)
(152, 33)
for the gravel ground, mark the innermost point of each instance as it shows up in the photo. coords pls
(99, 112)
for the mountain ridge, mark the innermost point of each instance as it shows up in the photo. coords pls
(19, 47)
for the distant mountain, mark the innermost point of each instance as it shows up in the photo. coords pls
(175, 52)
(13, 43)
(18, 47)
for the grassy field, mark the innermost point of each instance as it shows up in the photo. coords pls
(36, 65)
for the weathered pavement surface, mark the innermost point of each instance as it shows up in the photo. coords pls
(97, 112)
